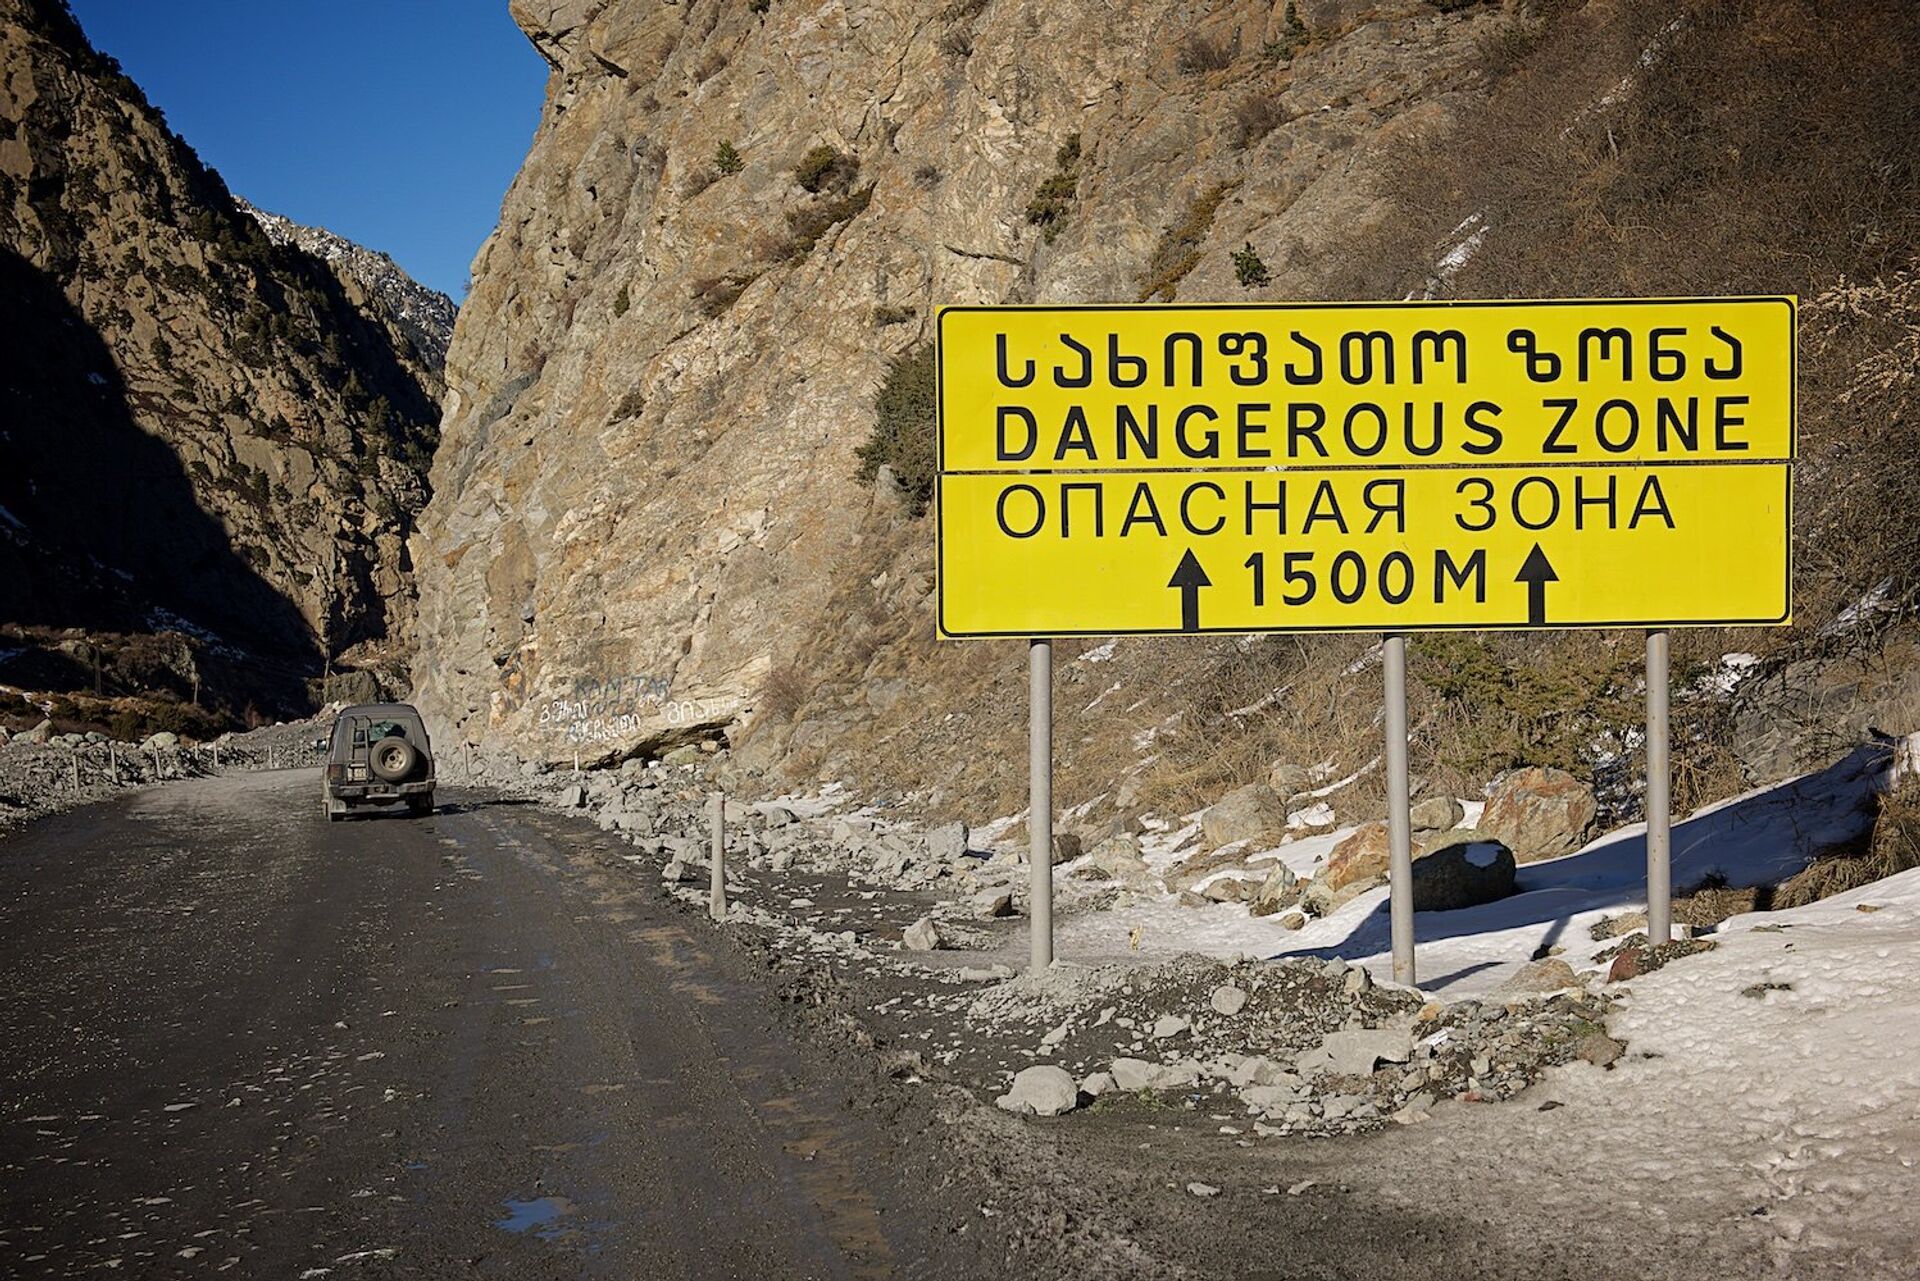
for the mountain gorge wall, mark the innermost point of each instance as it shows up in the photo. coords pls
(204, 433)
(647, 497)
(650, 519)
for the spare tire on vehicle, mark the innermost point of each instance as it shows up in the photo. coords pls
(392, 759)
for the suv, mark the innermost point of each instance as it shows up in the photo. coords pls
(378, 754)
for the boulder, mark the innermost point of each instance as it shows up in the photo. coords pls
(991, 903)
(1254, 813)
(1287, 779)
(986, 973)
(1097, 1084)
(1260, 1098)
(1260, 1070)
(1360, 860)
(1539, 813)
(573, 797)
(165, 740)
(1540, 977)
(1228, 1000)
(773, 815)
(1230, 889)
(685, 754)
(1066, 848)
(1138, 1074)
(38, 734)
(1355, 1051)
(947, 843)
(1168, 1026)
(922, 936)
(1436, 814)
(1198, 866)
(676, 872)
(1120, 858)
(1280, 889)
(1598, 1049)
(1462, 873)
(1042, 1090)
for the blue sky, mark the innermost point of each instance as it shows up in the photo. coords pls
(396, 123)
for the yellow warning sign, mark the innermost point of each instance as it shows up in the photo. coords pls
(1369, 385)
(1106, 554)
(1115, 470)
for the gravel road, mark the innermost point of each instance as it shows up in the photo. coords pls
(234, 1036)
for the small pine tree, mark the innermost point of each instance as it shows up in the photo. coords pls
(727, 158)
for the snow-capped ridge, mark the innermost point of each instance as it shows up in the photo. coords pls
(426, 315)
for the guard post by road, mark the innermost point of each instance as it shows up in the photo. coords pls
(1364, 467)
(717, 875)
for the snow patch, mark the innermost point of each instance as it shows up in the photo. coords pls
(1483, 853)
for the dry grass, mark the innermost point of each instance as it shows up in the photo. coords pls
(1201, 53)
(783, 693)
(1249, 707)
(1256, 117)
(1182, 244)
(1893, 847)
(715, 295)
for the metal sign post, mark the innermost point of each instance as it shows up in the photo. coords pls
(1399, 816)
(1040, 799)
(1659, 796)
(717, 881)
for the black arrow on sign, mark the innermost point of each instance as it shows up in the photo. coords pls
(1536, 573)
(1189, 578)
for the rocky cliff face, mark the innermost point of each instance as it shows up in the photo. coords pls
(415, 316)
(205, 431)
(648, 519)
(731, 222)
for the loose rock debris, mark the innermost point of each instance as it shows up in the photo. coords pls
(856, 906)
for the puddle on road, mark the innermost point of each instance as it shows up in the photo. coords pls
(823, 1146)
(542, 1216)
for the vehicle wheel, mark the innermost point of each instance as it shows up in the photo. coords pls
(420, 806)
(392, 759)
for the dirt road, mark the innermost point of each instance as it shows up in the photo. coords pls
(234, 1036)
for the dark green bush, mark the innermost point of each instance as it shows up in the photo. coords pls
(1053, 199)
(1248, 267)
(1293, 34)
(903, 427)
(826, 167)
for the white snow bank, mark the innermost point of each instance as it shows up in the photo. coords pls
(1757, 838)
(1785, 1122)
(1483, 853)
